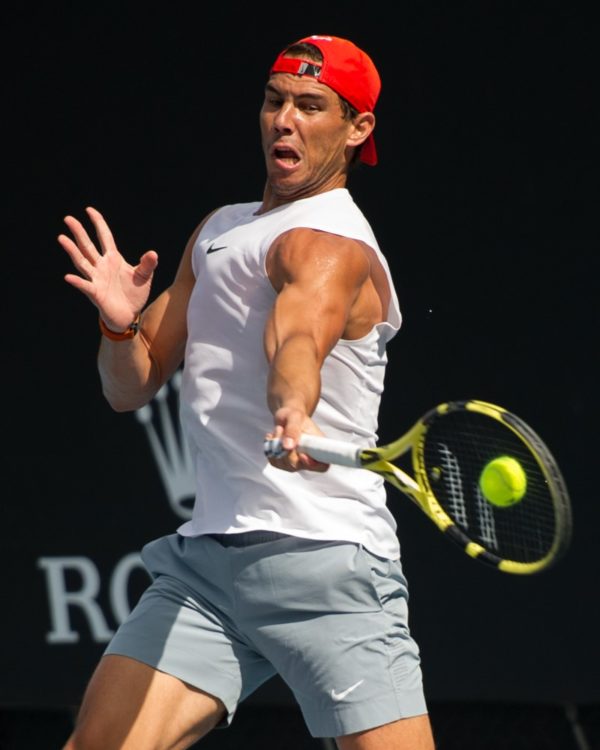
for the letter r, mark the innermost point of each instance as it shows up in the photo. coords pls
(60, 599)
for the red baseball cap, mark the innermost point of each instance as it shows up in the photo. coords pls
(347, 70)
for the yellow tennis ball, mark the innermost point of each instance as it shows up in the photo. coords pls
(503, 481)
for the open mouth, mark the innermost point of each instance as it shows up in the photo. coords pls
(286, 155)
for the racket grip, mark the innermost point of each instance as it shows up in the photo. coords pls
(323, 449)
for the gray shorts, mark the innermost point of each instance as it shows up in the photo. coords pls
(226, 614)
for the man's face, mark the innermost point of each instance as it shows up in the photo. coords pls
(304, 135)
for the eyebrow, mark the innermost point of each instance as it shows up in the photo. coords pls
(270, 88)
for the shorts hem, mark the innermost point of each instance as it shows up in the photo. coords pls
(230, 706)
(363, 716)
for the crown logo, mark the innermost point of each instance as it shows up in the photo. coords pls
(162, 425)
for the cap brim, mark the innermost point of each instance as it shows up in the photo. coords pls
(368, 153)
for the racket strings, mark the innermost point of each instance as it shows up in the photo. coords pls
(454, 451)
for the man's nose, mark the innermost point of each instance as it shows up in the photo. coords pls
(284, 118)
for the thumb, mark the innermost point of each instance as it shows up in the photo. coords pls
(147, 265)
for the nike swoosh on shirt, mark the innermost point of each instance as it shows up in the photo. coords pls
(344, 693)
(213, 249)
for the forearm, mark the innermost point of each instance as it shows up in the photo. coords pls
(295, 376)
(129, 375)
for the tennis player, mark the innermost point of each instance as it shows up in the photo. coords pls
(281, 311)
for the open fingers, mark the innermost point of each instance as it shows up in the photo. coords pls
(82, 240)
(79, 259)
(103, 233)
(87, 287)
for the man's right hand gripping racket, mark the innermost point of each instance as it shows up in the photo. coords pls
(482, 475)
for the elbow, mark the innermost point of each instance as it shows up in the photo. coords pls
(120, 407)
(120, 402)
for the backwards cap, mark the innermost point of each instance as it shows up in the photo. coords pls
(347, 70)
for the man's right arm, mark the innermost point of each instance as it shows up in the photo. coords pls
(131, 370)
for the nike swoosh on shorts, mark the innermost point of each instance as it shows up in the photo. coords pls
(344, 693)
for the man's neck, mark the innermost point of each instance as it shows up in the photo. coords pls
(274, 199)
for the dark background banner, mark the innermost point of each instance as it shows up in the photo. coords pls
(482, 203)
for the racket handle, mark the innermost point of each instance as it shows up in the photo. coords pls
(323, 449)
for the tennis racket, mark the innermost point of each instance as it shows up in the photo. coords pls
(449, 448)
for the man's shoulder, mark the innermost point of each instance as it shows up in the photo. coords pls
(229, 214)
(241, 208)
(305, 245)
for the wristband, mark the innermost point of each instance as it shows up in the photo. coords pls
(129, 333)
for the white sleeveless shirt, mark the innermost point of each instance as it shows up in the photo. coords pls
(223, 398)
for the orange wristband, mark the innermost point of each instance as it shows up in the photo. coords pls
(129, 333)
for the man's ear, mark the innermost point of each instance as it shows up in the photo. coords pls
(362, 127)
